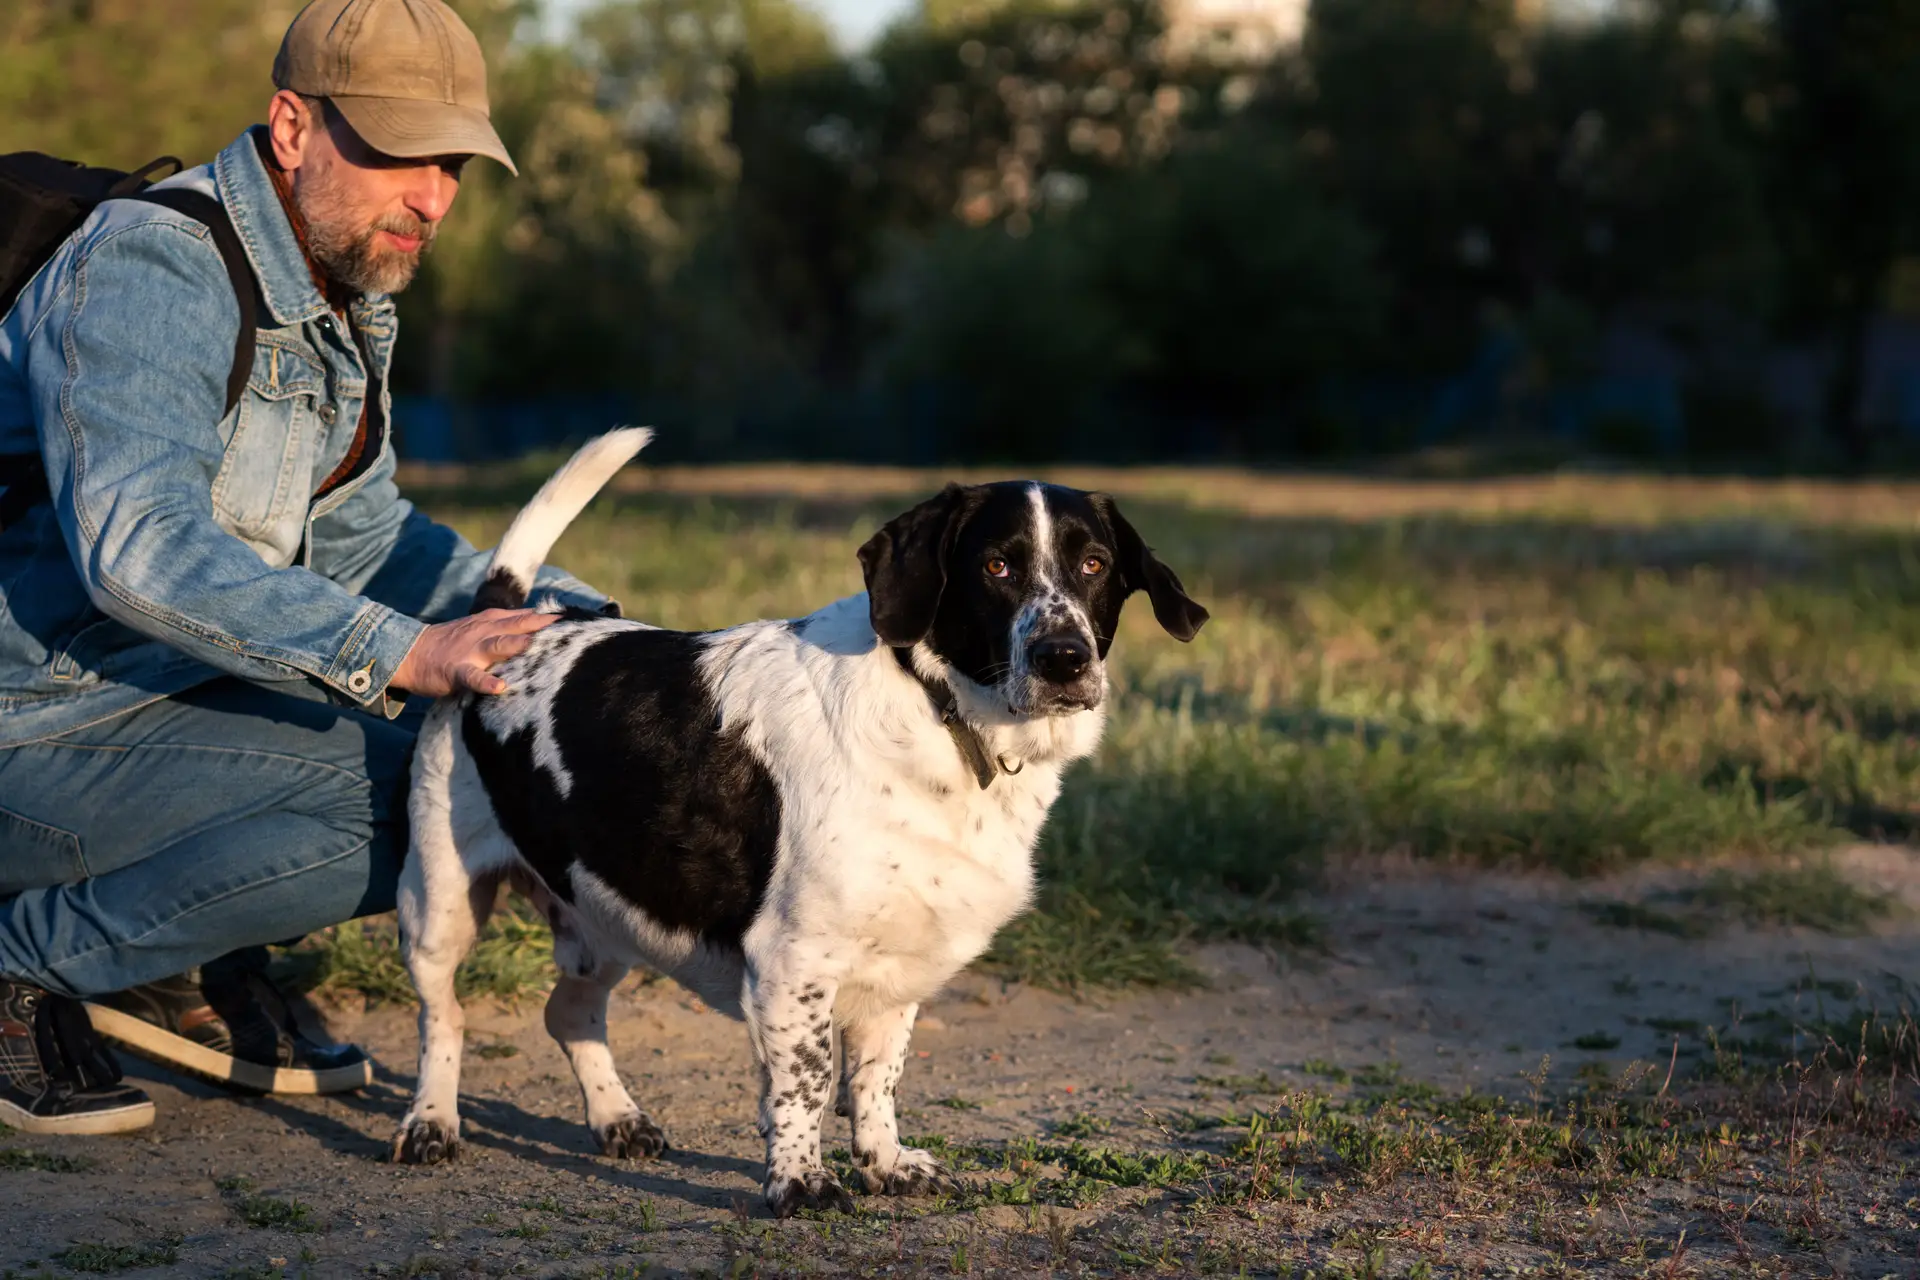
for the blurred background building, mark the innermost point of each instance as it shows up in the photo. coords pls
(1681, 233)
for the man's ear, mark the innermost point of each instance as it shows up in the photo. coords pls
(906, 567)
(1141, 570)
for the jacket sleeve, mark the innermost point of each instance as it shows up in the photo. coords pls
(378, 544)
(128, 399)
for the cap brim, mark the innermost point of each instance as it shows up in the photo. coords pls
(411, 127)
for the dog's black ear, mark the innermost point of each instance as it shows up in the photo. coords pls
(906, 568)
(1141, 570)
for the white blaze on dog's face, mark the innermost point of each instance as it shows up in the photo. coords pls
(1017, 587)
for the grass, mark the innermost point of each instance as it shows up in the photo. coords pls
(1808, 895)
(1799, 1165)
(1578, 675)
(273, 1213)
(265, 1212)
(513, 955)
(15, 1160)
(101, 1259)
(1814, 896)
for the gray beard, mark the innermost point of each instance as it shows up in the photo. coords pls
(362, 265)
(354, 258)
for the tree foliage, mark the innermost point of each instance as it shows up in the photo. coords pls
(1034, 227)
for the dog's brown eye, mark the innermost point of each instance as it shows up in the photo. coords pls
(1092, 565)
(997, 567)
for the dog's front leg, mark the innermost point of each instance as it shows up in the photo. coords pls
(875, 1052)
(791, 1024)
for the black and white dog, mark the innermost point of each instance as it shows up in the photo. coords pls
(812, 824)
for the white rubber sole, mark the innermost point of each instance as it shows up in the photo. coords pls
(135, 1115)
(162, 1046)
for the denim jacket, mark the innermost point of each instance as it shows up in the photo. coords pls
(180, 544)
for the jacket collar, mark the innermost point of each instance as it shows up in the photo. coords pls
(279, 262)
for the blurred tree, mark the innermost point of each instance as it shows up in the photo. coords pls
(1420, 115)
(996, 119)
(1658, 193)
(1847, 177)
(117, 82)
(1207, 295)
(1536, 178)
(1236, 289)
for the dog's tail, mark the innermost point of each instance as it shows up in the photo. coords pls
(541, 522)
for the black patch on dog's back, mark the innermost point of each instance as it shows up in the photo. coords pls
(671, 812)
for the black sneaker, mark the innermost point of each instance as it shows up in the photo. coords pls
(228, 1023)
(55, 1074)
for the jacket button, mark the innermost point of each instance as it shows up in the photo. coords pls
(328, 414)
(359, 682)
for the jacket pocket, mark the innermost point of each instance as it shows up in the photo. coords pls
(34, 855)
(263, 475)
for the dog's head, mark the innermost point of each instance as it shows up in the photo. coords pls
(1017, 587)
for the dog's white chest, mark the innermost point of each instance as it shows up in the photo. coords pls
(908, 886)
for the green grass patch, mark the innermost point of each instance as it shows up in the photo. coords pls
(106, 1258)
(15, 1160)
(275, 1214)
(1242, 1085)
(1809, 895)
(1813, 896)
(512, 957)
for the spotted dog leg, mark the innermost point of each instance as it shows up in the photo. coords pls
(791, 1025)
(875, 1051)
(577, 1020)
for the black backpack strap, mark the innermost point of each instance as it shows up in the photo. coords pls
(205, 209)
(149, 172)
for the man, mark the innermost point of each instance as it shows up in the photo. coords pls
(209, 627)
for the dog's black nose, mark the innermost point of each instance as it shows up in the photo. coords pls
(1060, 659)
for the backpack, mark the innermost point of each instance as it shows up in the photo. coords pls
(43, 200)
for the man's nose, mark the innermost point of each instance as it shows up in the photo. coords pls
(1060, 659)
(431, 193)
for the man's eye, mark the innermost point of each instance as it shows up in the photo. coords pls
(998, 568)
(1092, 565)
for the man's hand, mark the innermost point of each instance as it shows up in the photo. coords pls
(453, 656)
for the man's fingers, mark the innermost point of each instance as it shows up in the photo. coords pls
(500, 647)
(480, 680)
(516, 621)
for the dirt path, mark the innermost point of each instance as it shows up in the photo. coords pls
(1461, 979)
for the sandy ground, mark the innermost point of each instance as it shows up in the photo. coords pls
(1461, 978)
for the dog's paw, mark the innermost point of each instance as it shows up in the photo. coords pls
(914, 1173)
(814, 1189)
(425, 1142)
(633, 1137)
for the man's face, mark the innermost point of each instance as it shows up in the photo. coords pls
(370, 217)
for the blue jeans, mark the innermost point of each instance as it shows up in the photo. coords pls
(223, 817)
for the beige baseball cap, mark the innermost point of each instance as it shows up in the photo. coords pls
(407, 74)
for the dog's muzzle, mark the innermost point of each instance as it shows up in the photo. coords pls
(1063, 673)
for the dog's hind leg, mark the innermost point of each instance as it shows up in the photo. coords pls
(441, 907)
(577, 1019)
(444, 933)
(874, 1050)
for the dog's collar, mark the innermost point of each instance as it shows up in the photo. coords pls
(973, 748)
